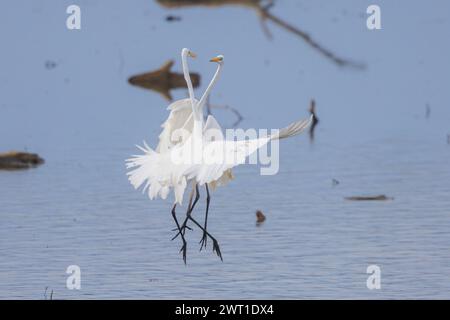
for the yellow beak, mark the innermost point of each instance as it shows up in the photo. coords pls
(192, 54)
(215, 59)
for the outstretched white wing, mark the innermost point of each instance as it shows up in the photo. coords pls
(212, 130)
(223, 155)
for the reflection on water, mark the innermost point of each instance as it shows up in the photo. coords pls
(163, 80)
(79, 208)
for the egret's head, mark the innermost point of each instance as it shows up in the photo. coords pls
(188, 53)
(219, 59)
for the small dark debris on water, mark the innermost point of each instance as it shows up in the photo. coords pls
(381, 197)
(14, 160)
(49, 65)
(260, 217)
(171, 18)
(335, 182)
(427, 111)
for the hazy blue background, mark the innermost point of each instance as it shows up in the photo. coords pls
(84, 118)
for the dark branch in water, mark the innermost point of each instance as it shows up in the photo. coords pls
(265, 14)
(262, 8)
(239, 117)
(315, 120)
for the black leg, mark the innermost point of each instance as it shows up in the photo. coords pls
(184, 247)
(189, 206)
(216, 247)
(188, 212)
(205, 237)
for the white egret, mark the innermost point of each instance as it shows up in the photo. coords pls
(159, 171)
(180, 117)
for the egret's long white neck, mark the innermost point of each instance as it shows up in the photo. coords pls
(187, 76)
(198, 114)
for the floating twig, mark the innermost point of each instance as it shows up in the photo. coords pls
(381, 197)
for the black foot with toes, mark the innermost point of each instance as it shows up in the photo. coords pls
(187, 227)
(178, 233)
(216, 249)
(203, 241)
(184, 250)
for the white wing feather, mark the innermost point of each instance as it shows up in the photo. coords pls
(236, 152)
(180, 117)
(293, 129)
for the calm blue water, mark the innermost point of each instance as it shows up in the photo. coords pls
(84, 118)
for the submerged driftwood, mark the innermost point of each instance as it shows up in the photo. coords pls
(380, 197)
(163, 80)
(19, 160)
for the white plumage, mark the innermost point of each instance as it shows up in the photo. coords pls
(154, 168)
(158, 172)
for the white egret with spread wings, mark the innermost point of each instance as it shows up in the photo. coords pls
(166, 167)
